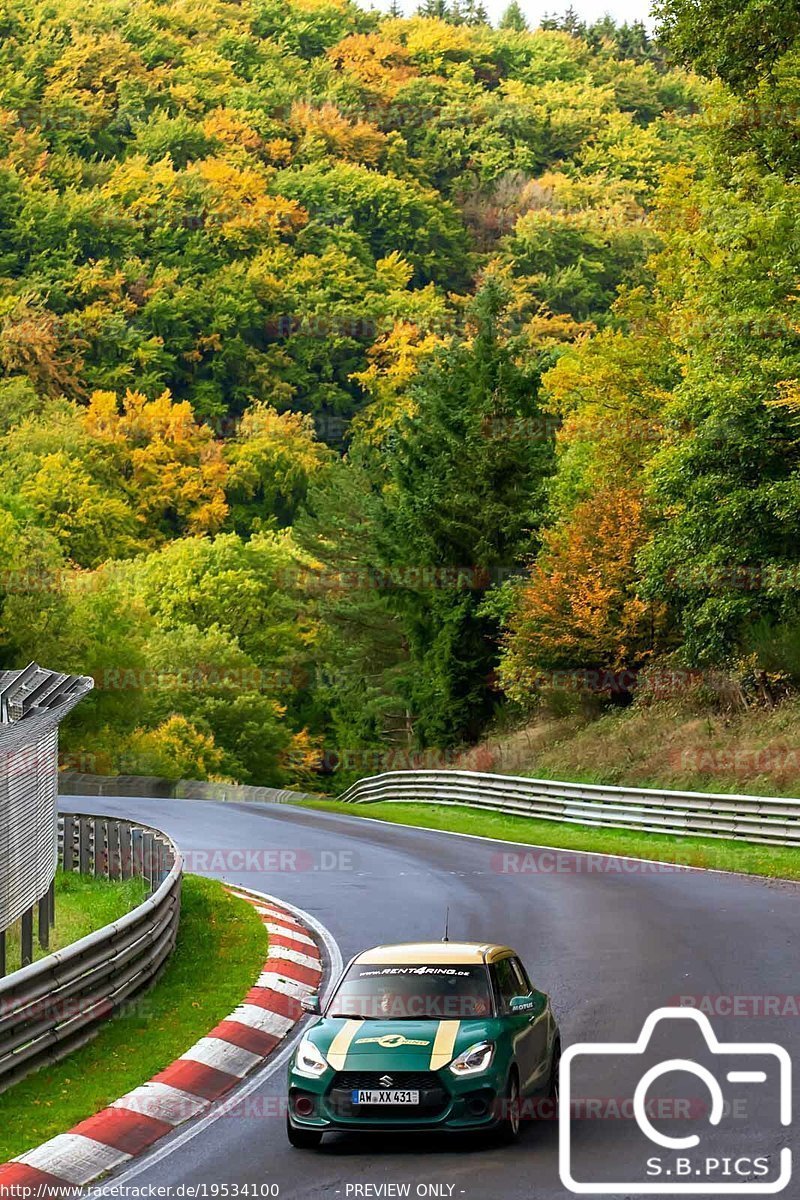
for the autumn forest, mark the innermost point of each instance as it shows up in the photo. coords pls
(368, 382)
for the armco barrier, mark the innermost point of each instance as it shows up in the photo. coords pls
(73, 783)
(746, 818)
(50, 1008)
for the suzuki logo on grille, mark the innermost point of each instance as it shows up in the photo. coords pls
(386, 1080)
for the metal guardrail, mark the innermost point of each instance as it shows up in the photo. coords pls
(74, 783)
(745, 818)
(52, 1007)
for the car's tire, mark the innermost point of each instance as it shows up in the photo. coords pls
(511, 1119)
(302, 1139)
(554, 1085)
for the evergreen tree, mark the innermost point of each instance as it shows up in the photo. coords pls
(434, 8)
(569, 22)
(361, 654)
(475, 14)
(514, 18)
(632, 41)
(605, 29)
(465, 499)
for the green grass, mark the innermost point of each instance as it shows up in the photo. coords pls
(221, 948)
(83, 904)
(679, 743)
(720, 855)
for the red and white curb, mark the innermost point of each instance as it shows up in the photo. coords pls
(190, 1085)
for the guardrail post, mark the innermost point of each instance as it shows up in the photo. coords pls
(51, 905)
(114, 859)
(2, 953)
(26, 937)
(68, 844)
(148, 866)
(137, 851)
(126, 851)
(100, 851)
(84, 847)
(44, 920)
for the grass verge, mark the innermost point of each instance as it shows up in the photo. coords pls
(683, 744)
(83, 904)
(776, 862)
(220, 951)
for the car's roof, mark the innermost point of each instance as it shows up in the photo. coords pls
(435, 953)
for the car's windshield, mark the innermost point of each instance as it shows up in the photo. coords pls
(406, 992)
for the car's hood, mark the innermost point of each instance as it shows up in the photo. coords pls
(423, 1045)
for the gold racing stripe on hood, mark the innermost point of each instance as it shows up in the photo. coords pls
(443, 1044)
(337, 1051)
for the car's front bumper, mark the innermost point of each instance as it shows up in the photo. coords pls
(446, 1103)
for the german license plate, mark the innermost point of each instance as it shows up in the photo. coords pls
(387, 1096)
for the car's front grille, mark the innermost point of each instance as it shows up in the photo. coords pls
(408, 1080)
(432, 1096)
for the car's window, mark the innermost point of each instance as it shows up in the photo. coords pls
(521, 975)
(506, 983)
(408, 991)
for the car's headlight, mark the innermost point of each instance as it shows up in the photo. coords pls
(474, 1060)
(309, 1060)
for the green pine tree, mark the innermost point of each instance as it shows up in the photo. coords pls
(465, 499)
(514, 18)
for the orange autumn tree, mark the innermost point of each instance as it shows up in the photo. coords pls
(173, 466)
(322, 130)
(580, 608)
(378, 65)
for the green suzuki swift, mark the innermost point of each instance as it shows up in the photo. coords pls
(424, 1037)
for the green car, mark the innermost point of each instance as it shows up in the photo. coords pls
(418, 1038)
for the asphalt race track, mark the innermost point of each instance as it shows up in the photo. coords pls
(609, 946)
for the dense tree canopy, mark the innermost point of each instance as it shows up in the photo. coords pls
(702, 373)
(357, 370)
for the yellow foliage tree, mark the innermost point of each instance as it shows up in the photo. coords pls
(229, 127)
(238, 202)
(175, 469)
(270, 463)
(176, 749)
(393, 362)
(377, 63)
(34, 342)
(352, 141)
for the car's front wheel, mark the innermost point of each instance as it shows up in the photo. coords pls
(302, 1139)
(555, 1075)
(511, 1116)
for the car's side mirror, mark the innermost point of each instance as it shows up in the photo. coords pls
(310, 1004)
